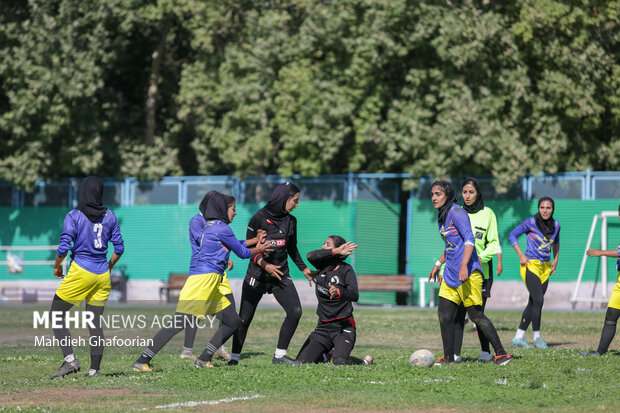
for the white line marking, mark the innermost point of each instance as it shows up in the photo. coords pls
(206, 402)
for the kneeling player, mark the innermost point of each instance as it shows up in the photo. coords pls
(336, 289)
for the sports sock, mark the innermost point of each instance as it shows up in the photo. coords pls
(207, 353)
(536, 334)
(69, 358)
(235, 356)
(520, 333)
(280, 353)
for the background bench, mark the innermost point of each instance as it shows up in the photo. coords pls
(402, 285)
(172, 288)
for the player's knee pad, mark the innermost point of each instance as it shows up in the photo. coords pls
(611, 323)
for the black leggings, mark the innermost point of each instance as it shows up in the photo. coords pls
(609, 329)
(285, 294)
(460, 327)
(191, 329)
(312, 352)
(96, 333)
(533, 310)
(447, 311)
(230, 322)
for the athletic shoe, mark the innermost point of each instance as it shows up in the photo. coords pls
(199, 363)
(485, 356)
(441, 361)
(520, 342)
(142, 367)
(369, 359)
(222, 353)
(66, 368)
(502, 360)
(457, 359)
(187, 354)
(232, 362)
(285, 360)
(96, 374)
(590, 353)
(539, 343)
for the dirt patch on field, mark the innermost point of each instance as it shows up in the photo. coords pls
(53, 395)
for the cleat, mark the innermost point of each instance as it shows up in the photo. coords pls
(187, 354)
(590, 353)
(520, 342)
(66, 368)
(285, 360)
(369, 359)
(142, 367)
(200, 363)
(222, 353)
(440, 361)
(485, 357)
(95, 374)
(232, 362)
(457, 359)
(502, 360)
(539, 343)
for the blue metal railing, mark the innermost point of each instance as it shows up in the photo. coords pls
(585, 185)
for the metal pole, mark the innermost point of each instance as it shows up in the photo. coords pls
(583, 261)
(408, 233)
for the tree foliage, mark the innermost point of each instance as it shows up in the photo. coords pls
(144, 88)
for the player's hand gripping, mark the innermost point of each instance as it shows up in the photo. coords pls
(273, 270)
(309, 274)
(334, 292)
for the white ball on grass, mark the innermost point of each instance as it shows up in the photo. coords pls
(422, 358)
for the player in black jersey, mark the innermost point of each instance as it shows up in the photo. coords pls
(269, 273)
(336, 289)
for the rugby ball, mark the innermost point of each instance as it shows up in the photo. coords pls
(422, 358)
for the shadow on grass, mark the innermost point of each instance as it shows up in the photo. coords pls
(251, 354)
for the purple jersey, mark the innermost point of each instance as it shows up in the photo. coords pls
(90, 240)
(456, 233)
(211, 243)
(538, 247)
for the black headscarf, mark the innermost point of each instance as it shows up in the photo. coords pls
(276, 206)
(89, 198)
(450, 199)
(546, 226)
(478, 203)
(215, 206)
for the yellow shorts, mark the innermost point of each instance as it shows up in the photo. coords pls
(80, 284)
(469, 293)
(540, 269)
(204, 294)
(614, 300)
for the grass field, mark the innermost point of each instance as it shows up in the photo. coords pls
(557, 379)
